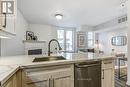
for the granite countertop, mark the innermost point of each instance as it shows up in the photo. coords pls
(9, 65)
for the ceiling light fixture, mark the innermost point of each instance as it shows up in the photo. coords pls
(59, 16)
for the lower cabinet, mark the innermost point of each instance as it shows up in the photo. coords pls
(14, 81)
(9, 83)
(56, 76)
(108, 73)
(63, 79)
(40, 83)
(53, 76)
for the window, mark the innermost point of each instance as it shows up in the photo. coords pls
(66, 39)
(90, 39)
(69, 40)
(60, 34)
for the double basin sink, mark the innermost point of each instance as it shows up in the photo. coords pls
(48, 58)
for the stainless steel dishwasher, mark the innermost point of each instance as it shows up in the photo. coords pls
(88, 74)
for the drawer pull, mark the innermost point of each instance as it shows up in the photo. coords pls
(102, 74)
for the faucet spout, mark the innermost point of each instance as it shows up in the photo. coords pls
(49, 52)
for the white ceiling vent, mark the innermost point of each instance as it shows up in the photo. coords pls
(122, 19)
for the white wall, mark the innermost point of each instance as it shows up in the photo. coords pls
(14, 46)
(86, 28)
(105, 40)
(111, 23)
(44, 33)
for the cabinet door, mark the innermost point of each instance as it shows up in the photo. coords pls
(1, 18)
(44, 83)
(36, 79)
(108, 78)
(10, 20)
(63, 78)
(11, 82)
(14, 81)
(108, 73)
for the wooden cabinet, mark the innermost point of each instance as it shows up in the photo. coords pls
(63, 78)
(36, 79)
(14, 81)
(11, 82)
(40, 83)
(7, 21)
(108, 73)
(54, 76)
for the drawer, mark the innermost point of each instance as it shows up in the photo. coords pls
(34, 75)
(107, 64)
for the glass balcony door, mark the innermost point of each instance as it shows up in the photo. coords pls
(66, 39)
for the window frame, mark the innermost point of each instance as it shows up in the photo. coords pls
(93, 39)
(73, 37)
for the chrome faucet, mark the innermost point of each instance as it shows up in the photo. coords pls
(49, 52)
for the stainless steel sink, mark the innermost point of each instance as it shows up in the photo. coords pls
(49, 58)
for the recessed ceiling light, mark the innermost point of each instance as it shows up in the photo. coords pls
(59, 16)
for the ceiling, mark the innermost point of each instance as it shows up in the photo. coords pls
(75, 12)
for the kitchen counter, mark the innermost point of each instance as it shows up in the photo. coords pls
(9, 65)
(6, 71)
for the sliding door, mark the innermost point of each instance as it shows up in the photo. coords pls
(66, 39)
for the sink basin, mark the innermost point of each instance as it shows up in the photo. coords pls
(49, 58)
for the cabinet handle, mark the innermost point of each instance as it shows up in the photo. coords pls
(4, 21)
(49, 82)
(107, 62)
(53, 82)
(85, 66)
(102, 74)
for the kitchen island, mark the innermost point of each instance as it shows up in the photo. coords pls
(23, 65)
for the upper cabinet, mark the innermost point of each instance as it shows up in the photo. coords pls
(8, 15)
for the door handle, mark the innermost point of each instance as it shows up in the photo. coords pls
(84, 66)
(102, 74)
(4, 21)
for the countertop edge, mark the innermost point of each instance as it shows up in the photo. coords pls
(9, 76)
(21, 66)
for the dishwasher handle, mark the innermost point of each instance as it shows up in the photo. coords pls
(85, 66)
